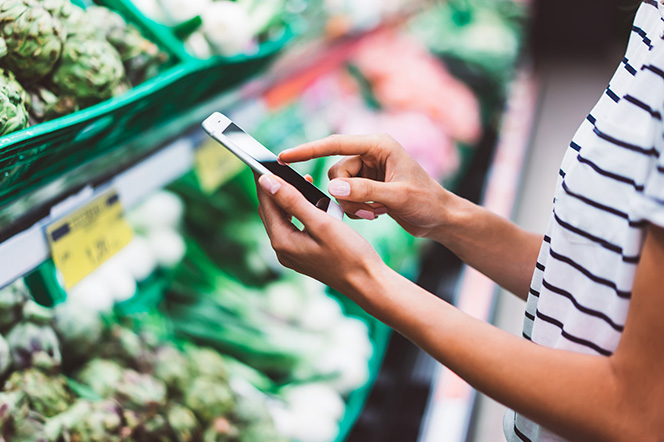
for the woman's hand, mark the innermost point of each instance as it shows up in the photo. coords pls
(327, 249)
(378, 176)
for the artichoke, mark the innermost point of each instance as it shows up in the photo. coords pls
(13, 112)
(88, 421)
(140, 56)
(11, 404)
(5, 356)
(78, 328)
(45, 105)
(34, 345)
(90, 70)
(182, 422)
(37, 314)
(34, 39)
(12, 298)
(101, 375)
(47, 395)
(207, 362)
(139, 391)
(209, 398)
(172, 368)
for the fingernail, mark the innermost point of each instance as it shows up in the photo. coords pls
(380, 211)
(339, 188)
(281, 162)
(365, 214)
(269, 184)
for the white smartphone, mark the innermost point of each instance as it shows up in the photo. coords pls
(263, 161)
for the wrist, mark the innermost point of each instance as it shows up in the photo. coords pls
(454, 216)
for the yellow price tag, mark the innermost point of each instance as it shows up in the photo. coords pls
(82, 241)
(215, 165)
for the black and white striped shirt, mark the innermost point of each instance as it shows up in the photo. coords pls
(611, 185)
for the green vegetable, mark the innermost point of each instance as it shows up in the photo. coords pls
(140, 56)
(172, 367)
(34, 345)
(47, 395)
(45, 105)
(101, 375)
(88, 421)
(78, 328)
(5, 356)
(138, 391)
(183, 422)
(209, 398)
(12, 299)
(207, 362)
(90, 70)
(34, 39)
(13, 104)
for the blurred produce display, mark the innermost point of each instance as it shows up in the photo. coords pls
(57, 58)
(221, 27)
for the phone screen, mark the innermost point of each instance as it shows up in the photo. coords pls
(269, 160)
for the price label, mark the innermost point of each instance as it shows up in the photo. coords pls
(215, 165)
(84, 240)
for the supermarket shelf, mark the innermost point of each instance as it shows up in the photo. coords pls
(24, 251)
(449, 411)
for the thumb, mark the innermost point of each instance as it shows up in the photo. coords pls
(362, 190)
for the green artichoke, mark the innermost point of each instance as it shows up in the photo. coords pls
(37, 314)
(34, 39)
(11, 403)
(171, 366)
(45, 105)
(90, 70)
(87, 421)
(140, 56)
(78, 328)
(207, 362)
(5, 356)
(182, 422)
(209, 398)
(12, 298)
(47, 395)
(139, 391)
(13, 111)
(34, 345)
(101, 375)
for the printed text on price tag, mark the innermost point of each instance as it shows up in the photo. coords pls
(82, 241)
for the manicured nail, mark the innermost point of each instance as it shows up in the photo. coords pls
(365, 214)
(269, 184)
(339, 188)
(380, 211)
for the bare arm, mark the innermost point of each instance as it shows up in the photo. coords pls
(583, 397)
(380, 174)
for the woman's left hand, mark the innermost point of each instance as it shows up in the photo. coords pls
(326, 249)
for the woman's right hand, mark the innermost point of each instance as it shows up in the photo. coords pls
(378, 176)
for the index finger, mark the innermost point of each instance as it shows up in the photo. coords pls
(332, 145)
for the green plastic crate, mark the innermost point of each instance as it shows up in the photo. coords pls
(38, 155)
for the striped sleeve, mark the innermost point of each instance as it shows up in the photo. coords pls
(649, 203)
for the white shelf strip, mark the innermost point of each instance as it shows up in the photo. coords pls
(26, 250)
